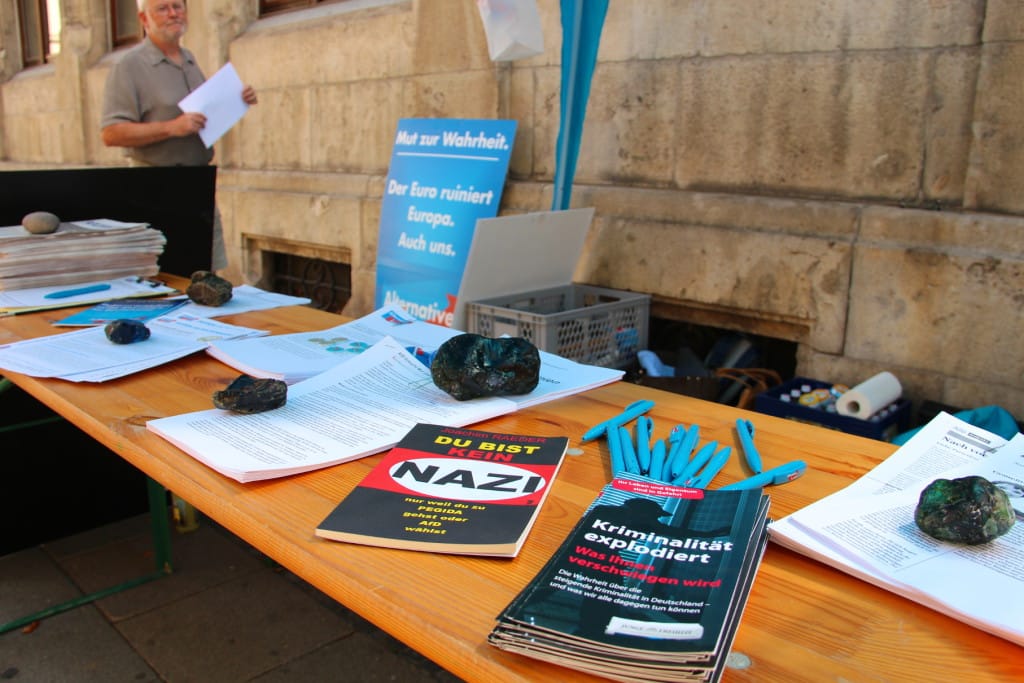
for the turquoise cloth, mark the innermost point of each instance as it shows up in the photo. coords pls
(990, 418)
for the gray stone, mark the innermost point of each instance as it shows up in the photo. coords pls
(40, 222)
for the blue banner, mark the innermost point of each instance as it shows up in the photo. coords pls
(582, 21)
(444, 175)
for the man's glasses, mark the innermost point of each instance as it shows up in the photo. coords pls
(168, 7)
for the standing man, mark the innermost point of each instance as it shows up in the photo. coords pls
(140, 103)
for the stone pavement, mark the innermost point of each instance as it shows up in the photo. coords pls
(225, 614)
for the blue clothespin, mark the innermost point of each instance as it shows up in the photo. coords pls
(713, 467)
(745, 429)
(773, 477)
(632, 411)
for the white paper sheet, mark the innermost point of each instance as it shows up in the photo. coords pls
(87, 355)
(868, 530)
(359, 407)
(220, 99)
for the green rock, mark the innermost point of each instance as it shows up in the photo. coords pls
(469, 366)
(969, 510)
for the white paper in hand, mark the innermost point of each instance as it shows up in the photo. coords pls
(220, 99)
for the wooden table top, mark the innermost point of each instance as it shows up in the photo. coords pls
(804, 621)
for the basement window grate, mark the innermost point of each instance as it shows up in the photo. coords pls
(327, 284)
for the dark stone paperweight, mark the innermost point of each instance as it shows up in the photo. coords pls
(470, 366)
(970, 510)
(209, 289)
(250, 395)
(126, 331)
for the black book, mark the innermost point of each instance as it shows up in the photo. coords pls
(649, 585)
(451, 490)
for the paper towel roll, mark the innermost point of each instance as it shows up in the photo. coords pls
(870, 396)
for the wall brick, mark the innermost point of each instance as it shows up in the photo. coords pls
(995, 177)
(927, 301)
(842, 125)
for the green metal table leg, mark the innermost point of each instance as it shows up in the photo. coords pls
(160, 525)
(161, 530)
(7, 385)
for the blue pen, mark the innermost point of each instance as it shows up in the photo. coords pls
(615, 449)
(633, 410)
(713, 467)
(745, 429)
(699, 460)
(628, 452)
(774, 476)
(644, 425)
(658, 459)
(65, 293)
(680, 456)
(675, 438)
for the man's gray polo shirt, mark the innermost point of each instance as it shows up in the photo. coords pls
(145, 86)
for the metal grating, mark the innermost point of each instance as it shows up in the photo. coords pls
(327, 284)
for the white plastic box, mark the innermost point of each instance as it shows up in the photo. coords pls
(587, 324)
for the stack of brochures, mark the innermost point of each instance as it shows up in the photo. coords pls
(82, 251)
(649, 586)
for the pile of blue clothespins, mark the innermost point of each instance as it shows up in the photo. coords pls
(678, 461)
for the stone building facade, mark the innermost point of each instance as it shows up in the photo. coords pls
(847, 175)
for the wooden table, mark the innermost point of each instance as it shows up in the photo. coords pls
(804, 621)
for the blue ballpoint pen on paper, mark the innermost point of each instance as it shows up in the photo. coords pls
(774, 476)
(713, 467)
(745, 429)
(632, 411)
(65, 293)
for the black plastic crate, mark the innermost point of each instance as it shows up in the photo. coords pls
(883, 425)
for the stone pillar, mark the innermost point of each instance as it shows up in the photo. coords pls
(84, 39)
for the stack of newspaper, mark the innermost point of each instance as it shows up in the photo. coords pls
(867, 529)
(82, 251)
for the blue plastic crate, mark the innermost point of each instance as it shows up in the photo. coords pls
(883, 425)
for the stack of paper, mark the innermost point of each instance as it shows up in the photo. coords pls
(867, 529)
(83, 251)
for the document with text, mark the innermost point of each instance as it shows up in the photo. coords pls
(868, 529)
(355, 409)
(301, 355)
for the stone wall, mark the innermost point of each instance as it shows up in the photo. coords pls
(844, 174)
